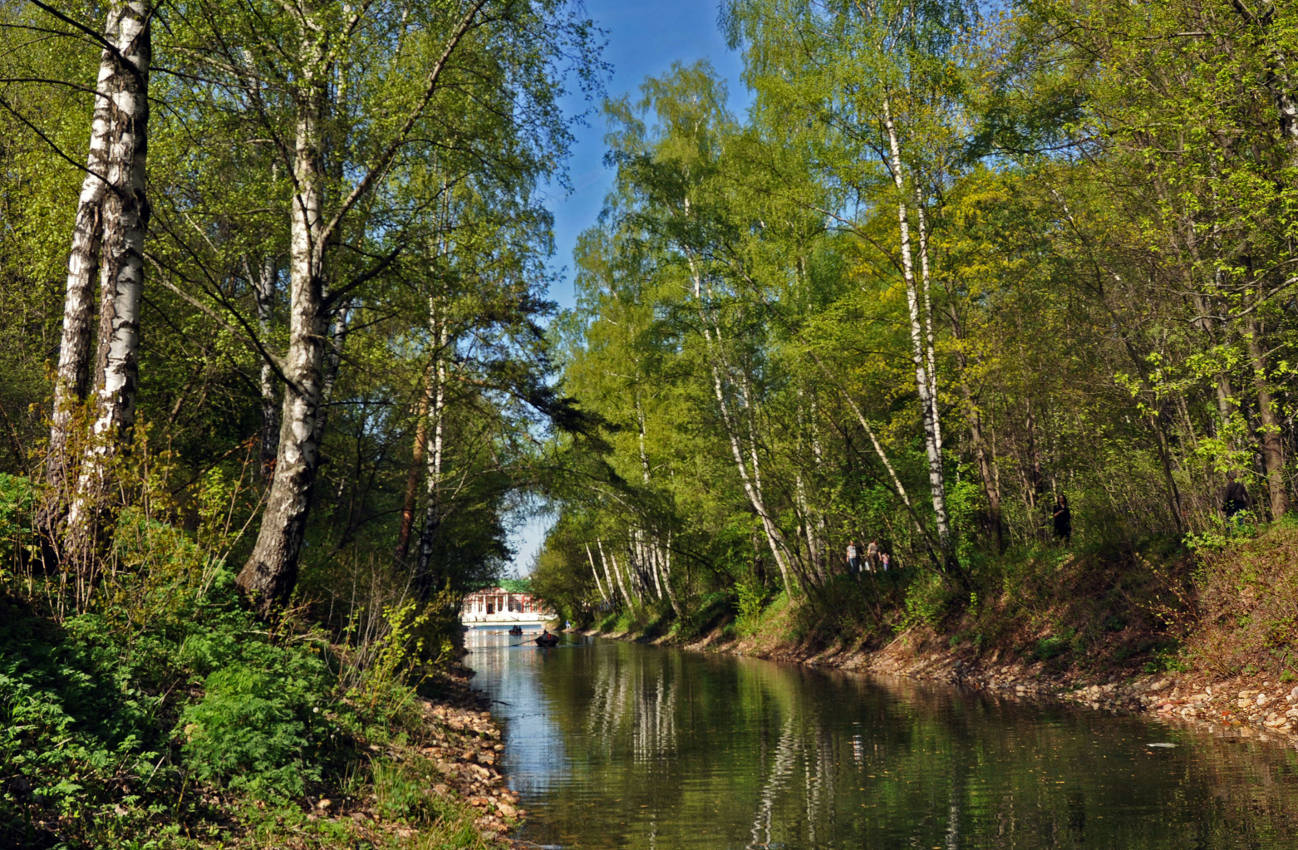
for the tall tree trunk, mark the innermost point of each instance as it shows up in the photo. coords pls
(264, 288)
(752, 485)
(125, 212)
(433, 496)
(664, 563)
(986, 468)
(1269, 430)
(269, 575)
(983, 453)
(922, 356)
(611, 568)
(418, 453)
(126, 29)
(612, 579)
(603, 594)
(926, 288)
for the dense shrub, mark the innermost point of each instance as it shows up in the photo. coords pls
(16, 496)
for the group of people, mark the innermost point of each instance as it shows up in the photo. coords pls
(874, 561)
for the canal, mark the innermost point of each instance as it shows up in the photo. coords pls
(617, 745)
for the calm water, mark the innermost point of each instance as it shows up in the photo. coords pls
(614, 745)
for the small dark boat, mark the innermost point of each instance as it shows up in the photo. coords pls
(516, 630)
(546, 639)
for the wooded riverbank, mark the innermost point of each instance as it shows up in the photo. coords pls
(1213, 654)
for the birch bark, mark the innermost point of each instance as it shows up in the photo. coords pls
(424, 578)
(124, 218)
(264, 290)
(751, 485)
(270, 573)
(603, 594)
(921, 353)
(125, 27)
(72, 376)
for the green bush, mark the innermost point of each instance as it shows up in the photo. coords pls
(16, 496)
(1053, 646)
(258, 726)
(81, 750)
(927, 600)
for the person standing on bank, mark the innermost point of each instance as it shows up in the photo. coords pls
(1063, 519)
(853, 559)
(1235, 500)
(872, 555)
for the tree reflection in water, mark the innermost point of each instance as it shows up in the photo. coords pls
(618, 745)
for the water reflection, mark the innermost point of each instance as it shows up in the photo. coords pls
(616, 745)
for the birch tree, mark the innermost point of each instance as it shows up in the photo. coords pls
(108, 244)
(846, 69)
(411, 66)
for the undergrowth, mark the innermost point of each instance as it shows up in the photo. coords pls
(1247, 606)
(164, 714)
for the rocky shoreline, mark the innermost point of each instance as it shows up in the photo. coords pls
(466, 746)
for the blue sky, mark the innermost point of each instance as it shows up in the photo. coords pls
(643, 39)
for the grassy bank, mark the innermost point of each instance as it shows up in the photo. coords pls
(156, 711)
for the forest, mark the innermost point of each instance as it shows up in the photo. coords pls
(1008, 292)
(1005, 289)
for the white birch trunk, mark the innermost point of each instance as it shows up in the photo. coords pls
(634, 596)
(930, 349)
(919, 354)
(264, 292)
(612, 572)
(434, 453)
(752, 489)
(73, 373)
(659, 557)
(270, 573)
(603, 594)
(125, 218)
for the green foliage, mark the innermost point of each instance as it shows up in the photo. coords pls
(262, 726)
(1053, 646)
(1220, 533)
(77, 733)
(16, 501)
(174, 710)
(751, 599)
(927, 602)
